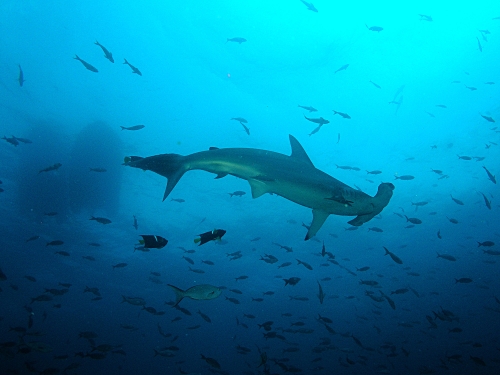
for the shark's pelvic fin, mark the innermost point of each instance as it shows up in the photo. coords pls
(319, 217)
(298, 151)
(259, 188)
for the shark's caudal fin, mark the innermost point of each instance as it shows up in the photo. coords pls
(170, 166)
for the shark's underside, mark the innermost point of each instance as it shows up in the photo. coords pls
(293, 177)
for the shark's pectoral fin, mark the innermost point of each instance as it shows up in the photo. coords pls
(173, 179)
(221, 175)
(258, 187)
(319, 217)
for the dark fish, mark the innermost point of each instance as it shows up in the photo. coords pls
(307, 265)
(54, 243)
(54, 167)
(215, 235)
(413, 220)
(178, 200)
(404, 177)
(320, 121)
(63, 253)
(241, 278)
(100, 170)
(247, 130)
(477, 361)
(485, 243)
(135, 127)
(12, 140)
(321, 294)
(452, 220)
(310, 109)
(488, 118)
(212, 362)
(451, 258)
(487, 202)
(490, 176)
(196, 270)
(292, 281)
(343, 67)
(457, 201)
(150, 241)
(463, 280)
(374, 84)
(134, 69)
(479, 45)
(374, 28)
(86, 64)
(393, 256)
(50, 213)
(237, 193)
(189, 260)
(286, 264)
(233, 300)
(375, 229)
(464, 157)
(471, 88)
(309, 6)
(107, 54)
(238, 40)
(20, 79)
(439, 234)
(315, 130)
(3, 277)
(32, 238)
(373, 172)
(419, 204)
(240, 119)
(344, 115)
(423, 17)
(363, 269)
(100, 220)
(120, 265)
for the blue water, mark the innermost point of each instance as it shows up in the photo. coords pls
(422, 93)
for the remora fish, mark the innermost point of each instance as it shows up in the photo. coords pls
(293, 177)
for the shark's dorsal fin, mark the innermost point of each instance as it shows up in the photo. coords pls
(298, 151)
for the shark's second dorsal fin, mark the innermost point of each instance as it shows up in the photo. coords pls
(298, 151)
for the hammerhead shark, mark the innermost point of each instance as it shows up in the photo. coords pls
(293, 177)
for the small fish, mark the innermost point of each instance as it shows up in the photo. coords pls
(107, 54)
(63, 253)
(292, 281)
(457, 201)
(12, 140)
(215, 235)
(485, 244)
(135, 225)
(343, 67)
(178, 200)
(196, 270)
(374, 84)
(315, 130)
(101, 220)
(413, 220)
(135, 127)
(240, 119)
(134, 69)
(21, 79)
(247, 130)
(404, 177)
(471, 88)
(439, 234)
(374, 172)
(237, 193)
(488, 118)
(452, 220)
(99, 170)
(241, 278)
(375, 229)
(487, 202)
(479, 45)
(320, 121)
(307, 265)
(309, 6)
(490, 176)
(393, 256)
(464, 157)
(374, 28)
(451, 258)
(344, 115)
(321, 294)
(32, 238)
(120, 265)
(424, 17)
(238, 40)
(86, 64)
(310, 109)
(51, 168)
(463, 280)
(55, 243)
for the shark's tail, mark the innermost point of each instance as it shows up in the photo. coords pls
(171, 166)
